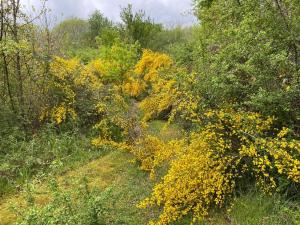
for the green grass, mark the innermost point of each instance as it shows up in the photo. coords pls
(121, 185)
(254, 208)
(257, 208)
(113, 178)
(133, 186)
(21, 160)
(164, 130)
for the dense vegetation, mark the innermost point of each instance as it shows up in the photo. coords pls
(210, 112)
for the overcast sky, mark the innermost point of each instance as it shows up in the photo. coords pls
(168, 12)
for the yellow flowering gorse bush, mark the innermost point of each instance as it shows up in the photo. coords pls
(151, 62)
(64, 73)
(232, 146)
(153, 152)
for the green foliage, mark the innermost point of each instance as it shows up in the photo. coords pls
(98, 24)
(108, 36)
(22, 159)
(85, 54)
(250, 60)
(137, 27)
(122, 56)
(169, 38)
(71, 34)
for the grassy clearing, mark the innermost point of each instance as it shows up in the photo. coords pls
(113, 174)
(165, 131)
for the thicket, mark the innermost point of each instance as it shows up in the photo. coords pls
(232, 83)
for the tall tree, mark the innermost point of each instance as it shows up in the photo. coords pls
(98, 23)
(20, 64)
(71, 34)
(138, 27)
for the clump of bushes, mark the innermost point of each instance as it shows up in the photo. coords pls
(231, 151)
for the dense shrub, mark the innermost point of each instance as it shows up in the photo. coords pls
(232, 150)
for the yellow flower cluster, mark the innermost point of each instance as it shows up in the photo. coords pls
(64, 73)
(60, 113)
(161, 98)
(118, 145)
(91, 75)
(61, 84)
(134, 87)
(146, 72)
(196, 180)
(168, 87)
(150, 64)
(153, 152)
(64, 69)
(134, 82)
(203, 174)
(102, 79)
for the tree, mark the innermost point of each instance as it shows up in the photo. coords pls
(21, 64)
(248, 56)
(138, 27)
(97, 24)
(71, 34)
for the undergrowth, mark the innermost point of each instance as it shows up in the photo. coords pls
(47, 151)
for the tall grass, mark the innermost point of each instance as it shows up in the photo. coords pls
(21, 159)
(254, 208)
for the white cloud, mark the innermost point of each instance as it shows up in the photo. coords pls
(168, 12)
